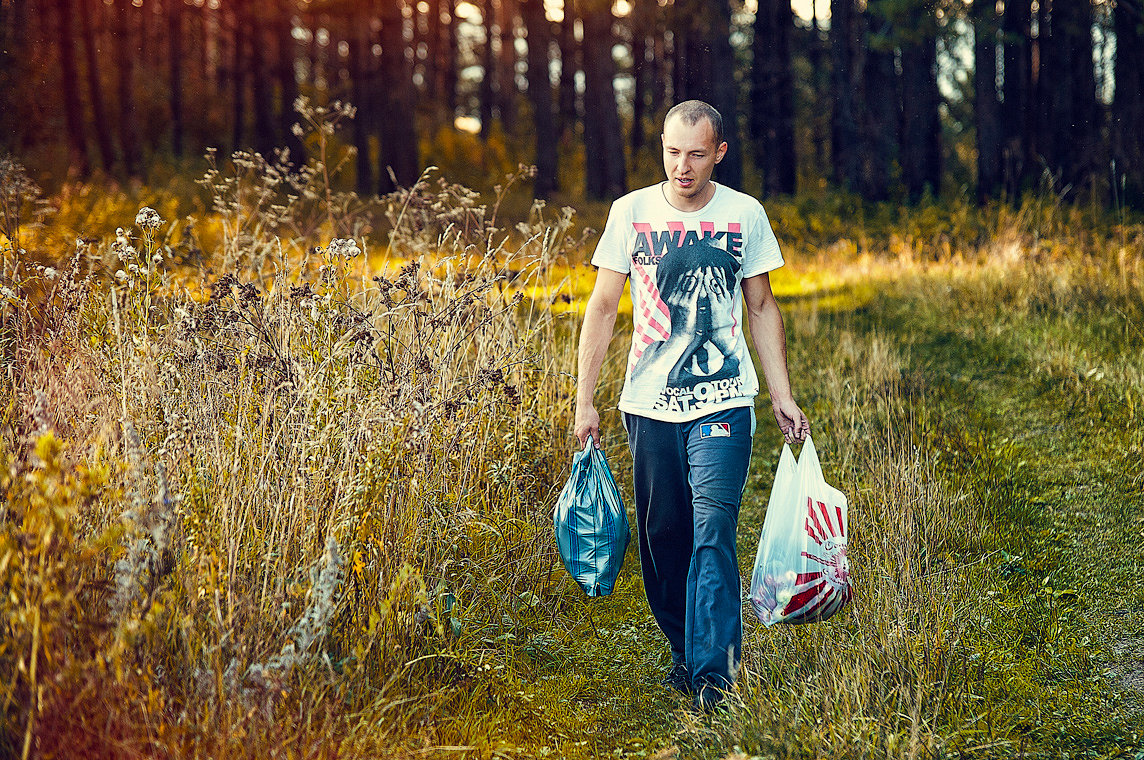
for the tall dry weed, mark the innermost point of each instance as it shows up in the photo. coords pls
(326, 466)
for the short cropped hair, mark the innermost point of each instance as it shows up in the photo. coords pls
(691, 111)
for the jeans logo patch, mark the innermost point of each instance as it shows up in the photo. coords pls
(715, 430)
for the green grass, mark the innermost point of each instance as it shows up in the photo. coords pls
(995, 630)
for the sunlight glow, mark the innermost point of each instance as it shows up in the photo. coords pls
(467, 11)
(804, 9)
(470, 124)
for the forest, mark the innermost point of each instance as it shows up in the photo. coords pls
(888, 99)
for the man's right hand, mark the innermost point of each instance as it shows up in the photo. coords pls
(587, 424)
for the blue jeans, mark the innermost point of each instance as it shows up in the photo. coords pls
(689, 479)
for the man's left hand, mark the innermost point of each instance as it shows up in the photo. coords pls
(792, 422)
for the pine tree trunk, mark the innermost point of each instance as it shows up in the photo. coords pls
(1070, 123)
(772, 97)
(681, 48)
(844, 135)
(987, 106)
(16, 41)
(359, 76)
(506, 90)
(921, 100)
(433, 56)
(881, 109)
(11, 53)
(641, 24)
(141, 34)
(605, 170)
(540, 96)
(238, 71)
(819, 85)
(212, 46)
(724, 94)
(287, 79)
(434, 70)
(128, 126)
(174, 11)
(399, 163)
(78, 159)
(1128, 103)
(488, 72)
(1017, 109)
(450, 64)
(707, 73)
(101, 124)
(265, 137)
(660, 67)
(568, 110)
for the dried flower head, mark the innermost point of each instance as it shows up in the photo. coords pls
(148, 218)
(346, 247)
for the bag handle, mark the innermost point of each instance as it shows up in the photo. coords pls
(598, 460)
(809, 453)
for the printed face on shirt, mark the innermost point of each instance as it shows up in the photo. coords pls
(698, 283)
(689, 157)
(693, 352)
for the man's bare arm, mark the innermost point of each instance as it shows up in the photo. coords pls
(595, 336)
(769, 337)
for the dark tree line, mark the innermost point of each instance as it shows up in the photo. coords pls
(873, 97)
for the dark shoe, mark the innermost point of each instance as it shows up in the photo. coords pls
(709, 699)
(679, 678)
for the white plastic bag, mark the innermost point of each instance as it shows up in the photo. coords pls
(802, 574)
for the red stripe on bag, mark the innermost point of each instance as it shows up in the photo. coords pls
(826, 519)
(817, 525)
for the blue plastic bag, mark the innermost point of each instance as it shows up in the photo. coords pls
(591, 523)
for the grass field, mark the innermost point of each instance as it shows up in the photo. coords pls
(264, 500)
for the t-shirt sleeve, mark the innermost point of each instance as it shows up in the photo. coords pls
(761, 253)
(611, 251)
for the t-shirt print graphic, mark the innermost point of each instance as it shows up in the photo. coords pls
(693, 356)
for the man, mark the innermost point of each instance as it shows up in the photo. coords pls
(695, 252)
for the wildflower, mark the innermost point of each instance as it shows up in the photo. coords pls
(346, 247)
(121, 275)
(148, 218)
(50, 273)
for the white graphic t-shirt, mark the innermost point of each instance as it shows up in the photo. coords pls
(689, 355)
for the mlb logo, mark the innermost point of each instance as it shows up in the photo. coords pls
(715, 430)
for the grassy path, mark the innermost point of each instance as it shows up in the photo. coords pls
(1057, 456)
(1050, 457)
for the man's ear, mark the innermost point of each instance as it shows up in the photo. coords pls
(720, 152)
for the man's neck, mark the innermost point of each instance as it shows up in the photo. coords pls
(688, 205)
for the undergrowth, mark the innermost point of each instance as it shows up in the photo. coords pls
(278, 473)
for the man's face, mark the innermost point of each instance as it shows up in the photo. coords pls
(689, 158)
